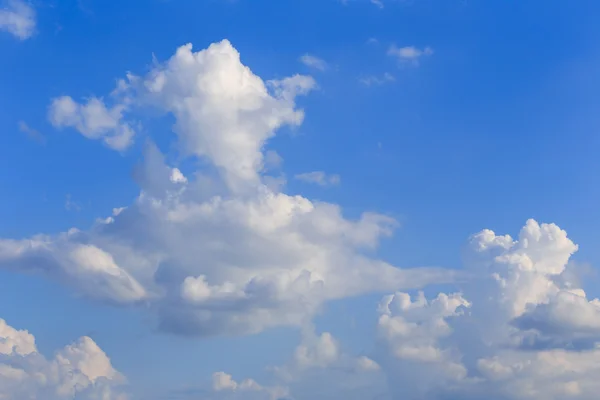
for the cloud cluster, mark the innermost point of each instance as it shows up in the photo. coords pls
(78, 371)
(17, 18)
(521, 329)
(219, 251)
(215, 251)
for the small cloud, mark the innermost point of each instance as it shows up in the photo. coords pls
(70, 205)
(314, 62)
(319, 178)
(18, 18)
(372, 41)
(373, 80)
(410, 54)
(378, 3)
(31, 133)
(177, 176)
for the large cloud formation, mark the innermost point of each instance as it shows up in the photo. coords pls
(220, 250)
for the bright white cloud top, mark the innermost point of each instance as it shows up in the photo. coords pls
(217, 251)
(80, 370)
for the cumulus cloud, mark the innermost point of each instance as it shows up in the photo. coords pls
(508, 335)
(319, 178)
(314, 62)
(219, 250)
(320, 368)
(78, 371)
(17, 18)
(470, 344)
(248, 389)
(93, 119)
(410, 54)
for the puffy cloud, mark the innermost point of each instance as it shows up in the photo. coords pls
(218, 250)
(248, 389)
(410, 54)
(484, 342)
(319, 178)
(518, 336)
(314, 62)
(89, 269)
(320, 368)
(18, 18)
(224, 113)
(78, 371)
(93, 120)
(411, 333)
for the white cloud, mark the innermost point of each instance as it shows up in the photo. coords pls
(319, 178)
(248, 389)
(314, 62)
(93, 120)
(78, 371)
(409, 54)
(378, 3)
(471, 345)
(374, 80)
(18, 18)
(219, 251)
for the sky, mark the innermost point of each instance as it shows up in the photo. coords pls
(299, 199)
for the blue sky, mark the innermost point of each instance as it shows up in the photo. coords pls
(439, 119)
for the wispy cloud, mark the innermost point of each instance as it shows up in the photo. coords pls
(31, 133)
(18, 18)
(374, 80)
(71, 205)
(319, 178)
(314, 62)
(409, 54)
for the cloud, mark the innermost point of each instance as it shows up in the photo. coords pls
(93, 120)
(78, 371)
(469, 344)
(18, 18)
(410, 54)
(71, 205)
(31, 133)
(248, 389)
(219, 250)
(378, 3)
(314, 62)
(373, 80)
(319, 178)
